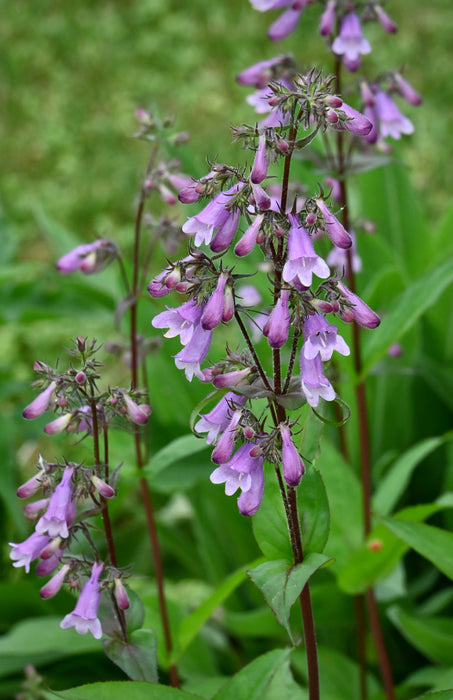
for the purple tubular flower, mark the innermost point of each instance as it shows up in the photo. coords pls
(321, 338)
(231, 379)
(302, 261)
(245, 472)
(48, 566)
(285, 24)
(55, 520)
(41, 403)
(338, 258)
(327, 21)
(384, 20)
(293, 466)
(260, 197)
(53, 586)
(358, 310)
(225, 233)
(260, 73)
(314, 384)
(31, 486)
(89, 257)
(102, 487)
(84, 616)
(371, 115)
(407, 91)
(59, 424)
(213, 311)
(336, 232)
(246, 244)
(225, 445)
(391, 121)
(192, 355)
(137, 413)
(157, 287)
(180, 321)
(215, 215)
(356, 123)
(350, 42)
(277, 326)
(217, 420)
(120, 594)
(27, 551)
(261, 163)
(32, 510)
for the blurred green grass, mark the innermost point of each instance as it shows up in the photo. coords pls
(72, 74)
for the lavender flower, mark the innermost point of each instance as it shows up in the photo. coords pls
(355, 309)
(327, 21)
(27, 551)
(350, 42)
(180, 321)
(192, 355)
(89, 257)
(384, 20)
(336, 232)
(245, 472)
(246, 244)
(59, 424)
(338, 258)
(137, 413)
(261, 163)
(260, 73)
(277, 326)
(31, 486)
(216, 215)
(217, 420)
(225, 445)
(406, 90)
(356, 123)
(53, 586)
(57, 517)
(321, 338)
(314, 384)
(84, 616)
(293, 466)
(41, 403)
(302, 261)
(217, 307)
(391, 121)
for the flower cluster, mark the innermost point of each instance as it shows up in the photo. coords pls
(303, 290)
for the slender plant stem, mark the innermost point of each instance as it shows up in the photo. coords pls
(364, 439)
(139, 451)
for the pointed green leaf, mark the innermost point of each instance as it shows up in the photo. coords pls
(269, 524)
(281, 583)
(137, 658)
(177, 449)
(430, 635)
(396, 480)
(405, 312)
(314, 513)
(119, 690)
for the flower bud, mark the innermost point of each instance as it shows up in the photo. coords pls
(53, 586)
(120, 594)
(102, 487)
(40, 404)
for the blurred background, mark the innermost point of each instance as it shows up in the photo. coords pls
(71, 77)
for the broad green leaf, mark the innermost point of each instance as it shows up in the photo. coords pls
(191, 625)
(314, 511)
(430, 635)
(281, 583)
(377, 557)
(137, 658)
(311, 436)
(345, 503)
(436, 695)
(269, 524)
(266, 678)
(397, 478)
(405, 311)
(120, 690)
(178, 449)
(431, 542)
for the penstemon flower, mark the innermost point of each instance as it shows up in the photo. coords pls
(84, 617)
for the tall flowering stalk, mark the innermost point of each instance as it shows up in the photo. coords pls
(341, 24)
(305, 293)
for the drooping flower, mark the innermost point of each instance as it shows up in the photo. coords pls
(356, 122)
(84, 617)
(89, 257)
(391, 121)
(384, 20)
(355, 309)
(262, 72)
(53, 586)
(217, 308)
(55, 520)
(293, 466)
(322, 338)
(225, 445)
(277, 325)
(350, 42)
(179, 321)
(261, 162)
(216, 421)
(302, 261)
(327, 20)
(41, 403)
(244, 472)
(27, 551)
(315, 384)
(59, 424)
(32, 485)
(192, 355)
(137, 413)
(330, 224)
(406, 90)
(217, 215)
(246, 244)
(287, 22)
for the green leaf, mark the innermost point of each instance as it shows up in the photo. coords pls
(137, 658)
(267, 678)
(119, 690)
(369, 564)
(431, 542)
(176, 450)
(396, 480)
(405, 311)
(281, 584)
(314, 511)
(430, 635)
(191, 625)
(439, 695)
(269, 523)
